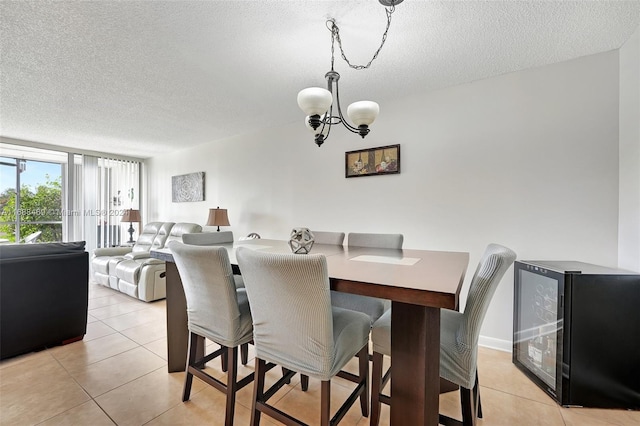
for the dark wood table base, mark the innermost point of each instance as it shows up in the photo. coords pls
(177, 329)
(418, 386)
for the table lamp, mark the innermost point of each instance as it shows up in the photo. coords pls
(218, 217)
(131, 216)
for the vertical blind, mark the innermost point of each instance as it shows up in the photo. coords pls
(109, 187)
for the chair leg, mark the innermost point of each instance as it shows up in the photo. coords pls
(376, 385)
(304, 380)
(363, 369)
(191, 359)
(244, 353)
(232, 385)
(478, 395)
(224, 360)
(284, 372)
(258, 390)
(325, 398)
(469, 407)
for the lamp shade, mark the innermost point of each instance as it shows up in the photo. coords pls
(131, 215)
(218, 217)
(363, 112)
(314, 100)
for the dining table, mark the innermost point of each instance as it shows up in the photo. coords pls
(419, 283)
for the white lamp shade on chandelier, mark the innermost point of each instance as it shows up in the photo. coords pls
(363, 112)
(314, 100)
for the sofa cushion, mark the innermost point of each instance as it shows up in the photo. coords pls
(128, 270)
(148, 234)
(179, 229)
(161, 237)
(112, 262)
(14, 251)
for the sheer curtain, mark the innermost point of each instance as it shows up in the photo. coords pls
(119, 191)
(108, 187)
(74, 199)
(90, 189)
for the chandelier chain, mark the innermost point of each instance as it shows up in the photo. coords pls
(335, 35)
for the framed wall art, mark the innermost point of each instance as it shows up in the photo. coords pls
(382, 160)
(189, 187)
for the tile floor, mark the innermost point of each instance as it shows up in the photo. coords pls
(118, 375)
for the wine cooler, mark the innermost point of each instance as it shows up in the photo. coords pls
(577, 332)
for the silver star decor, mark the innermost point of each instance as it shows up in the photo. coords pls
(301, 240)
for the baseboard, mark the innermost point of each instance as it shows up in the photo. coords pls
(493, 343)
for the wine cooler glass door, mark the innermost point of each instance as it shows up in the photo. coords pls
(538, 323)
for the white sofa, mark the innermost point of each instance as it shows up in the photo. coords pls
(132, 270)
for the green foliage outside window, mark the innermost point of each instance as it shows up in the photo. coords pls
(44, 204)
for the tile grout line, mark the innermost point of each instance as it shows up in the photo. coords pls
(140, 345)
(91, 398)
(556, 406)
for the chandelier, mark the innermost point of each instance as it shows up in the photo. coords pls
(318, 103)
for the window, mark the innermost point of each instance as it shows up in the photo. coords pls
(66, 196)
(30, 199)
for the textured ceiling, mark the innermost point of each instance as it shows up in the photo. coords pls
(147, 77)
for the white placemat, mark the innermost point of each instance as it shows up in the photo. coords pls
(407, 261)
(252, 246)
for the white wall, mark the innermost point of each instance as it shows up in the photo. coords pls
(528, 159)
(629, 222)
